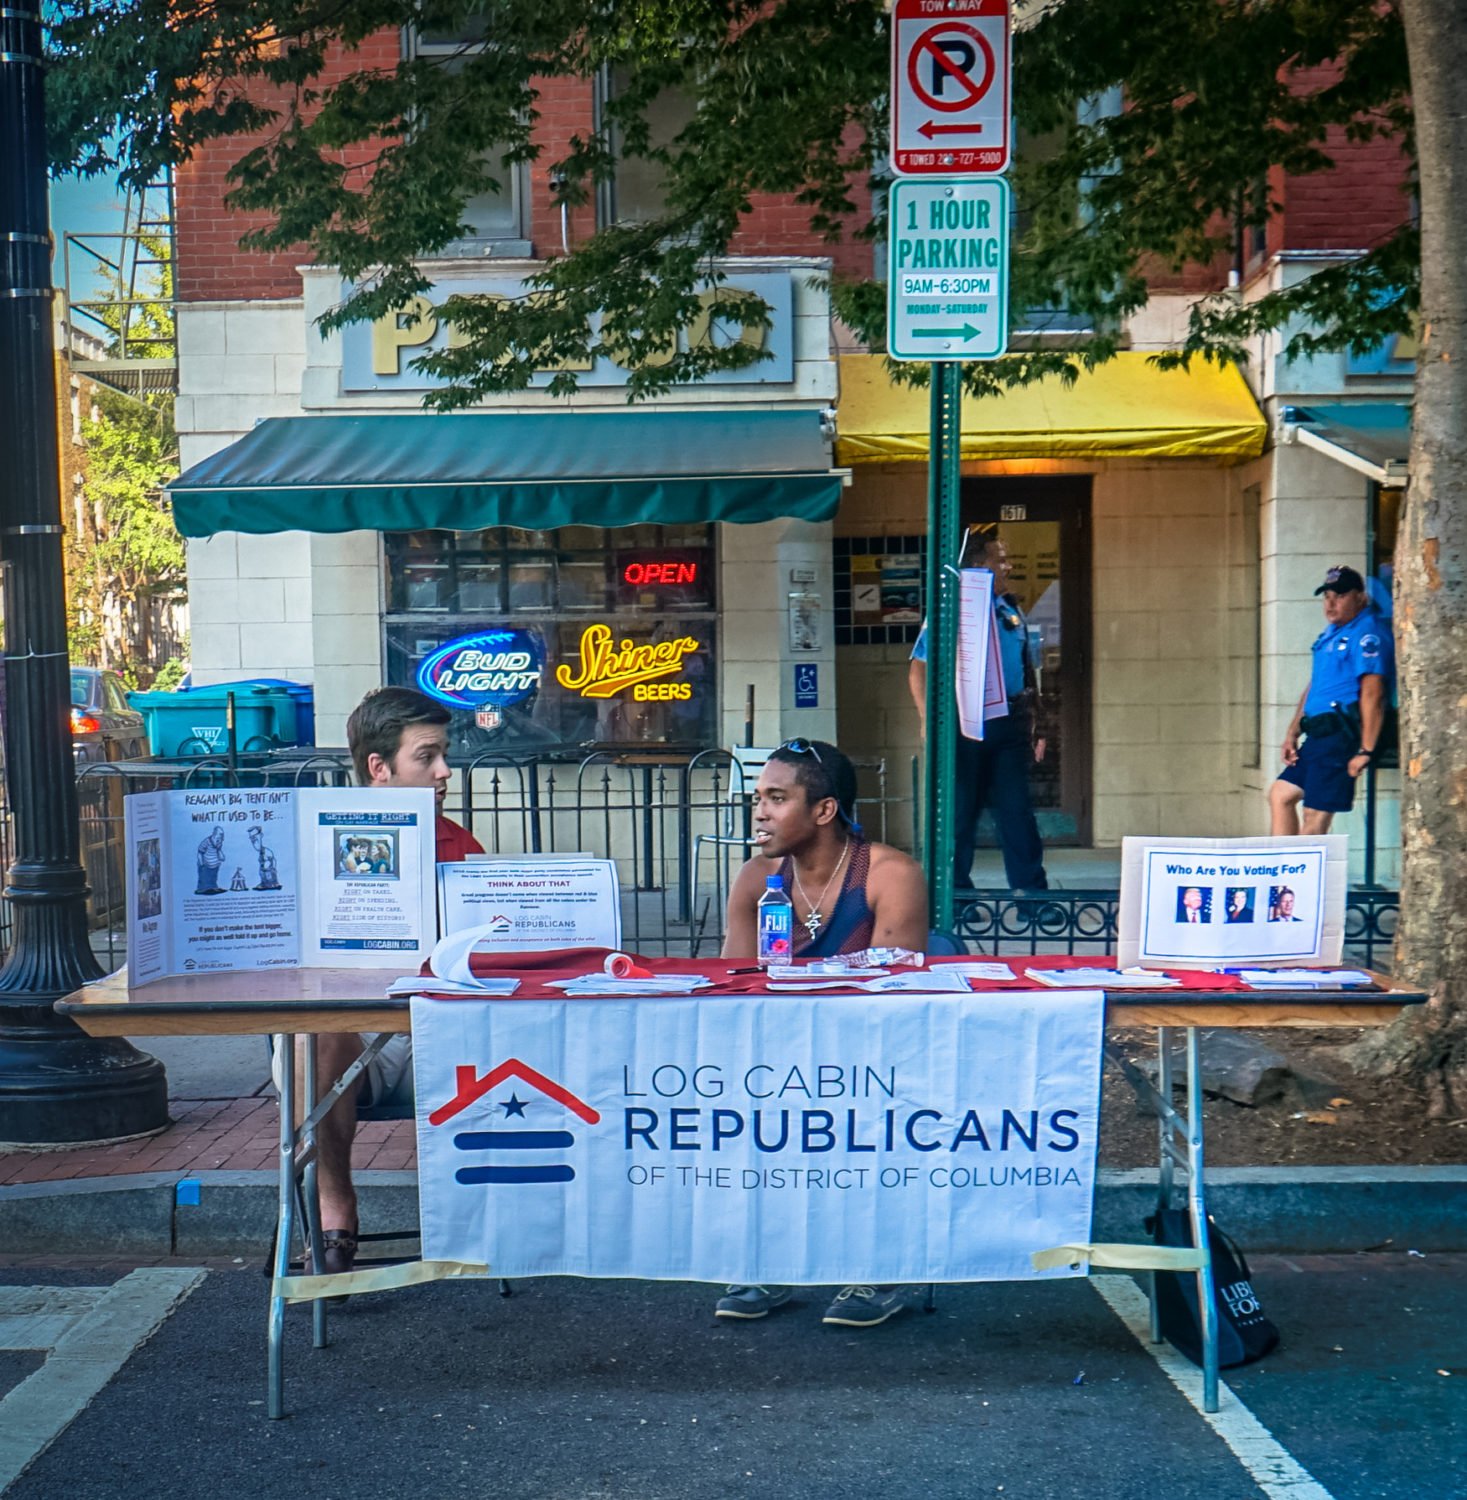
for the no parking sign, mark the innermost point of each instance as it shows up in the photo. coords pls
(950, 87)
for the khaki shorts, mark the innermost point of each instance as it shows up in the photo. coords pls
(387, 1079)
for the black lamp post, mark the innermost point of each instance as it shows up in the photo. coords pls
(57, 1085)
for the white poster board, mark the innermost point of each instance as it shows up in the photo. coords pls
(1258, 901)
(756, 1139)
(240, 878)
(982, 693)
(529, 904)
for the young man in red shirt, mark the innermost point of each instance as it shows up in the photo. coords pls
(397, 737)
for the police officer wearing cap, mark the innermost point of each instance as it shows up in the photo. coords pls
(1341, 713)
(995, 769)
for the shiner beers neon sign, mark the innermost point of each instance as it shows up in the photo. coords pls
(606, 668)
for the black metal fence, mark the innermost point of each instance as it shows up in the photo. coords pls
(1081, 922)
(677, 827)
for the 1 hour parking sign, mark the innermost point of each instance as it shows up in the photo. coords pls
(950, 87)
(947, 293)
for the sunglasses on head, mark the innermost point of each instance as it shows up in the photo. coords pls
(802, 747)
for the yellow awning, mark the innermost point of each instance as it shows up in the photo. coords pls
(1126, 408)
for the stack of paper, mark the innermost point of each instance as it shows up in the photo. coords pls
(823, 968)
(942, 980)
(1103, 979)
(584, 985)
(1302, 979)
(430, 984)
(989, 971)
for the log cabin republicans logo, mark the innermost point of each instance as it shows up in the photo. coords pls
(500, 1143)
(606, 668)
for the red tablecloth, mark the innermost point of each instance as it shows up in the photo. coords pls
(536, 970)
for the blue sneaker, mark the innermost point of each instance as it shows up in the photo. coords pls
(864, 1306)
(751, 1301)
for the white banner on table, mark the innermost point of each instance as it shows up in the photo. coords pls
(1216, 901)
(879, 1139)
(530, 904)
(981, 691)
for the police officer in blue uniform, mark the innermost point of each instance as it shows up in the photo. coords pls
(995, 769)
(1341, 713)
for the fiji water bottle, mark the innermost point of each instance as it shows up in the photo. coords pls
(776, 924)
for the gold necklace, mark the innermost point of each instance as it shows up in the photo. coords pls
(813, 919)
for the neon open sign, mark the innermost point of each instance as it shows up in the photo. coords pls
(668, 571)
(494, 666)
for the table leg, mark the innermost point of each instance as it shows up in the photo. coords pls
(319, 1336)
(284, 1231)
(1165, 1169)
(1197, 1205)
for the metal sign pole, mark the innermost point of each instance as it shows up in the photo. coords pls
(943, 538)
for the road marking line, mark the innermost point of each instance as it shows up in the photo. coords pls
(83, 1360)
(1273, 1468)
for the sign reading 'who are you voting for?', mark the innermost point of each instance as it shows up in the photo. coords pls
(1259, 901)
(528, 904)
(947, 292)
(880, 1139)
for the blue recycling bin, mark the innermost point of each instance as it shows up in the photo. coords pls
(294, 727)
(196, 722)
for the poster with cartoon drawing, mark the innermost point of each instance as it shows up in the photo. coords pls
(238, 878)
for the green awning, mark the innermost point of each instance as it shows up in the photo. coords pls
(461, 472)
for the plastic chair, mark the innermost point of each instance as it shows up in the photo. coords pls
(747, 761)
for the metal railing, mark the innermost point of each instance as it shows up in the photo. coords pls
(676, 824)
(1081, 922)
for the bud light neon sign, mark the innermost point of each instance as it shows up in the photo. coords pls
(495, 666)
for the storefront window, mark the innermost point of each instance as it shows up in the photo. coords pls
(542, 639)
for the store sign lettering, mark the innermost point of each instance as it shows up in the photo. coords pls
(660, 572)
(380, 355)
(605, 669)
(498, 666)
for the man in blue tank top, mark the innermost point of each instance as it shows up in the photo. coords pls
(1341, 713)
(849, 894)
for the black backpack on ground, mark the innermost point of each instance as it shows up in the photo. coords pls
(1244, 1331)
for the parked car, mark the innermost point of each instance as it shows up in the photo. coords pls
(103, 725)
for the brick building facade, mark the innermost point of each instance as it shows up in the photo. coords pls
(1174, 593)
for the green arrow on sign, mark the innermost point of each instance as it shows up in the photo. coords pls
(967, 331)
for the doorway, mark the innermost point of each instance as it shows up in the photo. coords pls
(1044, 521)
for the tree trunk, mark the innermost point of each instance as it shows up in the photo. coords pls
(1429, 1043)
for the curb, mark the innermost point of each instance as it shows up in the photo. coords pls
(1303, 1210)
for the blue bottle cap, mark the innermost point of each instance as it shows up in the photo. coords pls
(773, 883)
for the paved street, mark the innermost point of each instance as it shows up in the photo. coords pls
(574, 1389)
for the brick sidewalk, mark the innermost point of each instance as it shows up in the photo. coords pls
(206, 1135)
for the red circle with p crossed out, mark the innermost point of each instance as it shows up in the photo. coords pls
(972, 90)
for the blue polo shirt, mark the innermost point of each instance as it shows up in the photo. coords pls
(1344, 654)
(1012, 644)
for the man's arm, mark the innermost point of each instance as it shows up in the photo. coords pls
(1291, 735)
(917, 683)
(1372, 718)
(897, 892)
(741, 923)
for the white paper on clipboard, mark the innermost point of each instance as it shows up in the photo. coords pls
(982, 694)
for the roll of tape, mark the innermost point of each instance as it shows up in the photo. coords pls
(621, 966)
